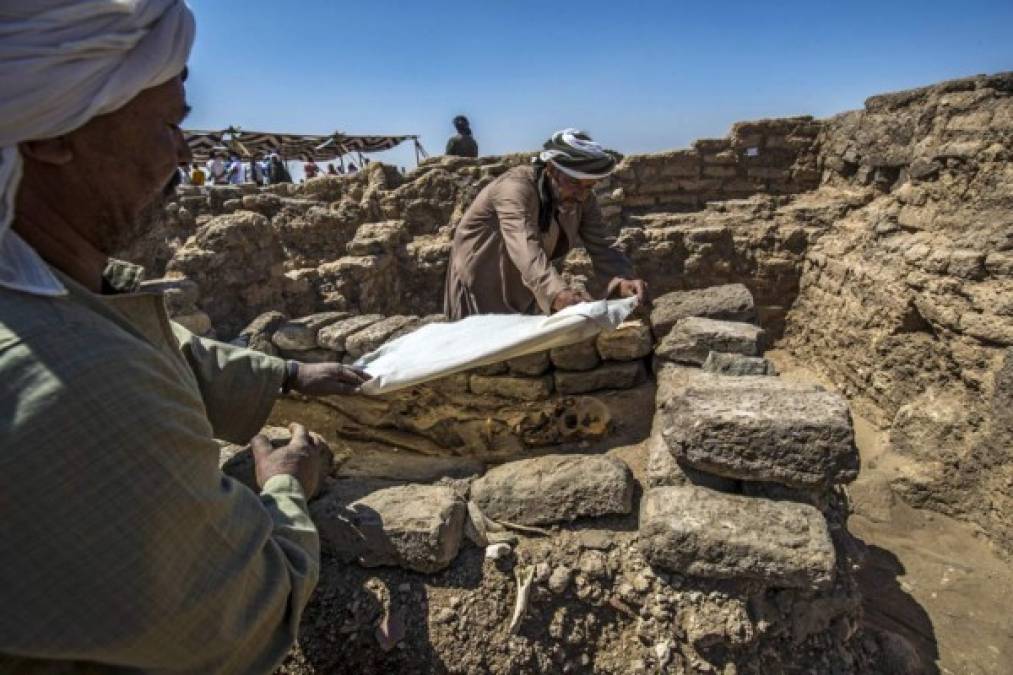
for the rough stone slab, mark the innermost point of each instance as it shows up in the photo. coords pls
(722, 363)
(693, 338)
(630, 341)
(758, 428)
(577, 357)
(366, 340)
(417, 527)
(301, 334)
(519, 388)
(554, 489)
(334, 336)
(730, 302)
(530, 364)
(613, 375)
(699, 532)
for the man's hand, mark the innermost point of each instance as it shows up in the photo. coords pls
(567, 297)
(301, 458)
(630, 287)
(326, 379)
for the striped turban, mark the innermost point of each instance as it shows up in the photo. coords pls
(63, 62)
(574, 153)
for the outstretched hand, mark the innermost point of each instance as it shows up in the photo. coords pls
(328, 379)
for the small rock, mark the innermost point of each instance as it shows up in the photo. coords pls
(529, 364)
(612, 375)
(301, 334)
(334, 336)
(593, 564)
(542, 572)
(630, 341)
(580, 356)
(497, 551)
(560, 579)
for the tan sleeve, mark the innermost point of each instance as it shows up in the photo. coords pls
(239, 386)
(609, 262)
(517, 208)
(123, 543)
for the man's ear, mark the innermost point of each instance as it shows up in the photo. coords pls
(47, 151)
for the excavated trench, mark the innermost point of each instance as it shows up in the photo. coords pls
(659, 498)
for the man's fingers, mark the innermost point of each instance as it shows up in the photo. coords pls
(299, 434)
(260, 446)
(353, 375)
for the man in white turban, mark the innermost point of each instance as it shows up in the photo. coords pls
(505, 246)
(124, 549)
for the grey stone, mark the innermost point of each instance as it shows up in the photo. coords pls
(555, 488)
(693, 338)
(529, 364)
(730, 302)
(498, 368)
(630, 341)
(334, 336)
(722, 363)
(265, 324)
(578, 357)
(560, 578)
(664, 470)
(417, 527)
(614, 375)
(699, 532)
(366, 340)
(519, 388)
(758, 428)
(301, 334)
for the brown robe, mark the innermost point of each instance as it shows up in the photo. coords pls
(500, 262)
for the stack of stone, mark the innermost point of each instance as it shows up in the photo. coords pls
(742, 469)
(611, 360)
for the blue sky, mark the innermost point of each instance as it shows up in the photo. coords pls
(640, 76)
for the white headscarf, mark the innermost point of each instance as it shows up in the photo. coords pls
(574, 153)
(63, 62)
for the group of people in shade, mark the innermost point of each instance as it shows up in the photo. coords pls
(125, 547)
(219, 170)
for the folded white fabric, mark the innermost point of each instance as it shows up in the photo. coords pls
(63, 62)
(442, 349)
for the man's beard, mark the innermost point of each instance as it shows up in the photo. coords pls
(116, 240)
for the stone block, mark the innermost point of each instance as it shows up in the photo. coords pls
(722, 363)
(371, 337)
(529, 364)
(335, 336)
(301, 334)
(631, 340)
(703, 533)
(730, 302)
(663, 469)
(311, 355)
(579, 356)
(758, 428)
(610, 375)
(693, 338)
(554, 489)
(519, 388)
(417, 527)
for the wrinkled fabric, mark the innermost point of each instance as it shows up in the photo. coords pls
(574, 153)
(63, 62)
(481, 340)
(499, 261)
(124, 548)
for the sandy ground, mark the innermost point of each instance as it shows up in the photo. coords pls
(931, 579)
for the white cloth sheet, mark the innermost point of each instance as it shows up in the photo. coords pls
(442, 349)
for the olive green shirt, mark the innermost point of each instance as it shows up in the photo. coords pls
(123, 547)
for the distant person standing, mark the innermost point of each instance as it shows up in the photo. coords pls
(197, 175)
(217, 169)
(256, 171)
(278, 173)
(311, 169)
(331, 171)
(462, 144)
